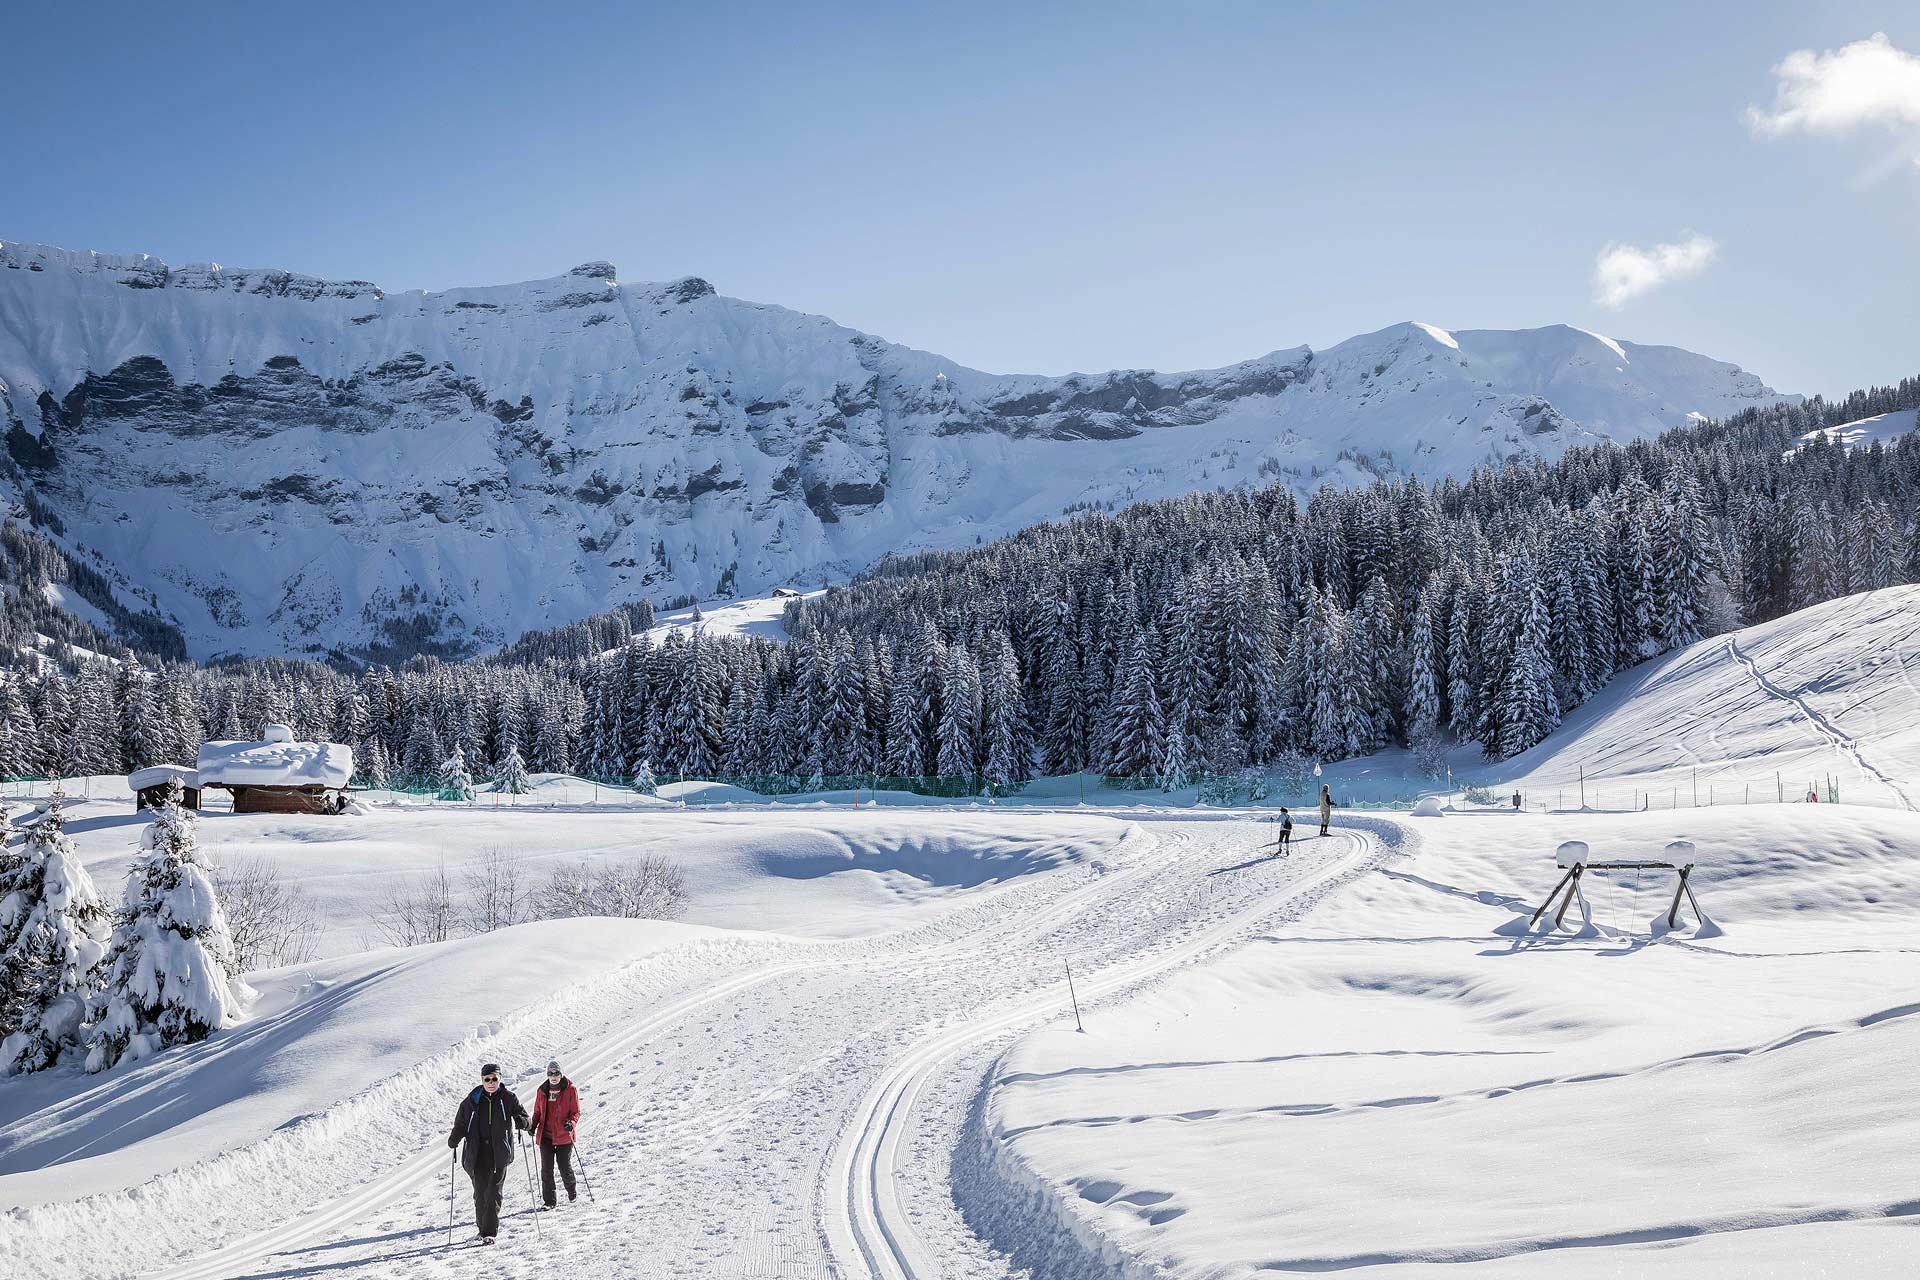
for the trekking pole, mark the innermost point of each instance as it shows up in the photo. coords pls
(585, 1181)
(451, 1166)
(526, 1162)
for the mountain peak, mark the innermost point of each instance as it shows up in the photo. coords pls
(284, 464)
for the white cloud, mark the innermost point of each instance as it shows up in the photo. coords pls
(1625, 271)
(1864, 83)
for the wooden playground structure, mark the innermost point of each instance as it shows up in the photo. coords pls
(1573, 855)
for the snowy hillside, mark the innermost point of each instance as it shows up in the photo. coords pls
(292, 464)
(1881, 428)
(1753, 715)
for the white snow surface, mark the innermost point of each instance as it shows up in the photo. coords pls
(287, 464)
(275, 764)
(1763, 713)
(1882, 428)
(158, 774)
(752, 616)
(1409, 1081)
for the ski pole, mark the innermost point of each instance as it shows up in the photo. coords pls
(451, 1166)
(585, 1181)
(526, 1162)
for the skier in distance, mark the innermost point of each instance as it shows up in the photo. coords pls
(483, 1129)
(1286, 833)
(1326, 808)
(556, 1116)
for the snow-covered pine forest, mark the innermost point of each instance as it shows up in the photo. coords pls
(1199, 635)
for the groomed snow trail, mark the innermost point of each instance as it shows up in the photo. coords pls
(1841, 740)
(760, 1125)
(867, 1218)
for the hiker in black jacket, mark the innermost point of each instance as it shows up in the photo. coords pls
(485, 1124)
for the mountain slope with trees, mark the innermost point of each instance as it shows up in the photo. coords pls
(1203, 634)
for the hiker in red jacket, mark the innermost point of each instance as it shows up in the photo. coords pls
(556, 1111)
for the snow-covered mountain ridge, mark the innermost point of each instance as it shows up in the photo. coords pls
(287, 464)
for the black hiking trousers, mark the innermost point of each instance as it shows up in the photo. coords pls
(487, 1185)
(547, 1153)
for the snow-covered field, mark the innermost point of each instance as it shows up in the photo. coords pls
(1410, 1080)
(734, 1077)
(751, 616)
(855, 1055)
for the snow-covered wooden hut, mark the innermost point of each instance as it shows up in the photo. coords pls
(278, 774)
(149, 785)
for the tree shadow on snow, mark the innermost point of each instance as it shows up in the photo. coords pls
(128, 1105)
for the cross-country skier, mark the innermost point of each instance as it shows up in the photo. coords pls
(556, 1116)
(1286, 831)
(1326, 808)
(1516, 802)
(485, 1125)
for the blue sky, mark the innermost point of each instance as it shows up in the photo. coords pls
(1020, 187)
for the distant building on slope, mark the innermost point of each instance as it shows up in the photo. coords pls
(149, 785)
(785, 593)
(278, 774)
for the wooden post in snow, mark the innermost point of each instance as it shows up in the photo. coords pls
(1074, 996)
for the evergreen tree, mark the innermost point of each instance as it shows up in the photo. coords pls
(166, 971)
(1529, 711)
(644, 782)
(455, 782)
(1134, 740)
(53, 928)
(510, 776)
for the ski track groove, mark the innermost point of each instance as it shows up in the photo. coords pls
(1837, 737)
(866, 1221)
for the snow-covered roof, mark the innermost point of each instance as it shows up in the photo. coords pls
(279, 761)
(158, 775)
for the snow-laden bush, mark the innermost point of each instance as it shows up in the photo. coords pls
(168, 973)
(53, 929)
(643, 780)
(646, 888)
(510, 775)
(455, 782)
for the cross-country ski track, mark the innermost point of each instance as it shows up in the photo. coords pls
(753, 1125)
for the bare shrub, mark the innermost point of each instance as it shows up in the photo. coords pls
(497, 895)
(270, 921)
(646, 888)
(418, 911)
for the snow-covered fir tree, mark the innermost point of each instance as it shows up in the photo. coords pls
(510, 775)
(455, 782)
(643, 781)
(165, 979)
(53, 931)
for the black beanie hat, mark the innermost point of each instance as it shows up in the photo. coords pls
(490, 1069)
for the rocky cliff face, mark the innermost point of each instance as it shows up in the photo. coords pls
(295, 465)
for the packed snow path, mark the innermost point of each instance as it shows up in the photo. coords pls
(759, 1120)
